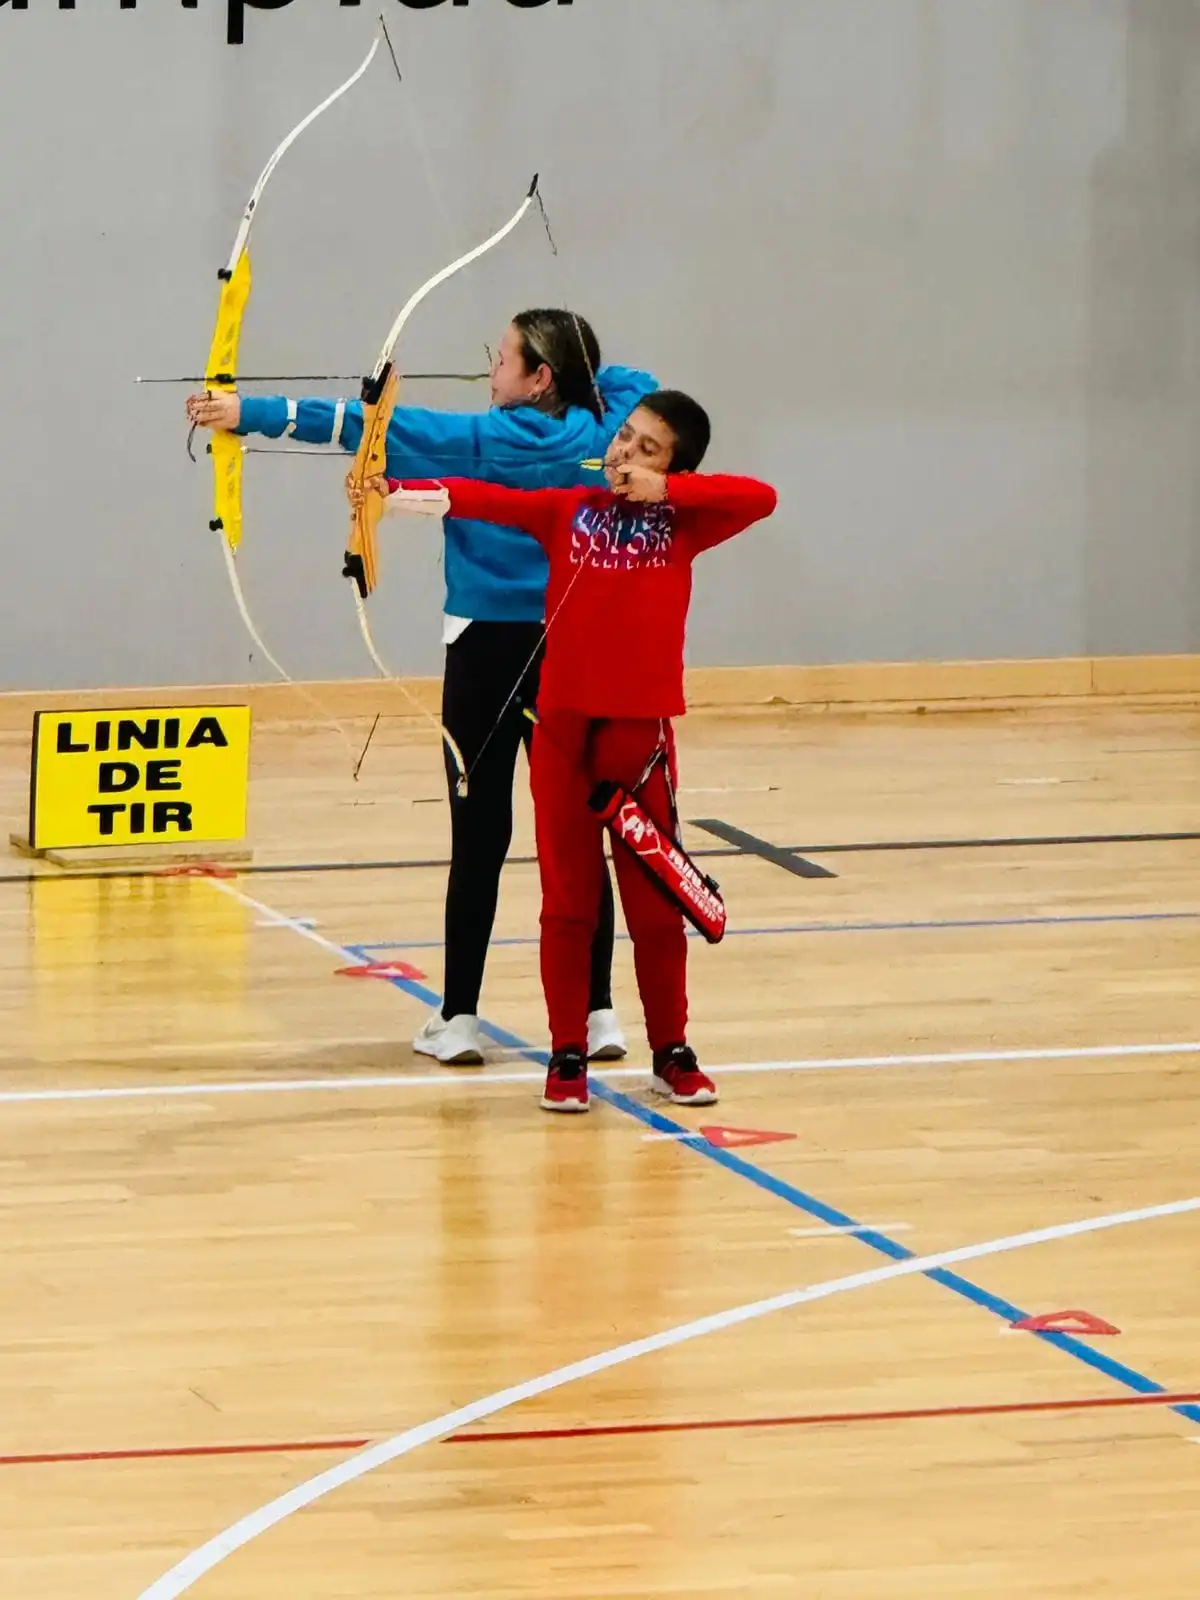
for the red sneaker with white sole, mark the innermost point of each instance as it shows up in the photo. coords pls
(678, 1077)
(566, 1082)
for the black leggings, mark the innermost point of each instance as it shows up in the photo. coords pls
(482, 668)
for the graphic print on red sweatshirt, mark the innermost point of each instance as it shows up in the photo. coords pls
(619, 537)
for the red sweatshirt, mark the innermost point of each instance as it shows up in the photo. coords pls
(620, 581)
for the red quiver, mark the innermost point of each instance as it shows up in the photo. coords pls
(697, 895)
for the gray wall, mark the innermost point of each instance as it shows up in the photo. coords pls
(932, 263)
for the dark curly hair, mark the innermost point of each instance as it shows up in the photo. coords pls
(687, 420)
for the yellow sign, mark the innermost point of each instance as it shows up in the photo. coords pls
(138, 777)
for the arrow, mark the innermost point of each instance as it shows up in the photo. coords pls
(334, 377)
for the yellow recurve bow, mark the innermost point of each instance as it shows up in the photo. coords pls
(380, 391)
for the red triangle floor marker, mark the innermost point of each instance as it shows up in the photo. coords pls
(737, 1138)
(381, 969)
(1065, 1322)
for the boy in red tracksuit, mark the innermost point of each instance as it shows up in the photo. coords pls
(616, 612)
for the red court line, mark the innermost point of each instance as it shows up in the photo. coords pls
(615, 1430)
(180, 1452)
(923, 1413)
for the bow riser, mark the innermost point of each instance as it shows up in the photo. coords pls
(379, 395)
(227, 460)
(220, 370)
(222, 363)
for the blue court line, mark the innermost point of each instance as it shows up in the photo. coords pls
(1128, 1377)
(866, 927)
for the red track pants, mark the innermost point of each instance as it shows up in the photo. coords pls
(571, 755)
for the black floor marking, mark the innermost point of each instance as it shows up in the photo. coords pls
(296, 868)
(279, 868)
(752, 845)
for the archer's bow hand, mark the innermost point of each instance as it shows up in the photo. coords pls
(222, 411)
(356, 493)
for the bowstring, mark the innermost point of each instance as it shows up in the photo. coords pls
(463, 773)
(462, 781)
(418, 137)
(360, 608)
(516, 688)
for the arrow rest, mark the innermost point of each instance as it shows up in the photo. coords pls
(373, 387)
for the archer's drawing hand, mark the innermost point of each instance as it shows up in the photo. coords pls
(638, 483)
(214, 410)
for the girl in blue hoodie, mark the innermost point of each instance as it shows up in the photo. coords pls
(553, 407)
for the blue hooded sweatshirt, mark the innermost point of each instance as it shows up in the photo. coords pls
(493, 574)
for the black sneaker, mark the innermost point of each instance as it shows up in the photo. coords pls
(566, 1082)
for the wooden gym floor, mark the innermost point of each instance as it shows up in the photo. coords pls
(257, 1259)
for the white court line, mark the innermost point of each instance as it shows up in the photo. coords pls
(760, 788)
(454, 1076)
(185, 1573)
(476, 1079)
(301, 925)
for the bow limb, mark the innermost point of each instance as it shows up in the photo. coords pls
(448, 272)
(380, 392)
(379, 395)
(243, 233)
(235, 583)
(236, 282)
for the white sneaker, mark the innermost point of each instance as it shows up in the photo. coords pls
(456, 1043)
(606, 1042)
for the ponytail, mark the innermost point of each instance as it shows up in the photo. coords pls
(567, 345)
